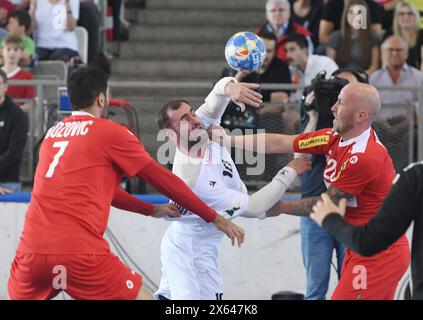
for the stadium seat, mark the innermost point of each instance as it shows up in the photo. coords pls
(82, 39)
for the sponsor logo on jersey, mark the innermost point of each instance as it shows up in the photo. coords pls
(353, 159)
(130, 284)
(313, 142)
(212, 183)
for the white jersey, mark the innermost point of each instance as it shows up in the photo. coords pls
(218, 185)
(190, 246)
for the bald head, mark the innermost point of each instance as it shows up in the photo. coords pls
(362, 97)
(357, 106)
(395, 41)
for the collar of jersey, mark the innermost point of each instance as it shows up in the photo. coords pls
(81, 113)
(356, 139)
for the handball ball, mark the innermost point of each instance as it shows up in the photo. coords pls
(245, 51)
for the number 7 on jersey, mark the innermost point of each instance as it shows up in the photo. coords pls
(62, 145)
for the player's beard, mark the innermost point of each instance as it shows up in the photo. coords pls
(341, 127)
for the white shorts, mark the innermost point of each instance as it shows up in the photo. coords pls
(189, 263)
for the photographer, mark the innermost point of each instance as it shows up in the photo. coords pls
(317, 244)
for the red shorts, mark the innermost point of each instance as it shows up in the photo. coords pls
(82, 276)
(372, 278)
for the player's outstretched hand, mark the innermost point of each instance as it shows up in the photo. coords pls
(300, 165)
(241, 93)
(325, 206)
(5, 191)
(230, 229)
(165, 210)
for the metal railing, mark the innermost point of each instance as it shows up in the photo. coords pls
(46, 92)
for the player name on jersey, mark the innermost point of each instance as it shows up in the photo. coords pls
(69, 129)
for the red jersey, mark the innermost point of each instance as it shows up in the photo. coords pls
(360, 167)
(20, 92)
(82, 161)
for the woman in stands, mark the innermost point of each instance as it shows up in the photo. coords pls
(355, 46)
(407, 25)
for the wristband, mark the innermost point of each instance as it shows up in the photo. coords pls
(286, 175)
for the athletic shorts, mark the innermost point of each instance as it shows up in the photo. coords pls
(189, 263)
(82, 276)
(373, 278)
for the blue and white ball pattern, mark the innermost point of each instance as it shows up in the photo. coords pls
(245, 51)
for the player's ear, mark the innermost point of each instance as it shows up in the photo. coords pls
(101, 100)
(169, 132)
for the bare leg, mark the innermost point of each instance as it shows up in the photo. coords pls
(144, 294)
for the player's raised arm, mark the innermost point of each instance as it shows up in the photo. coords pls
(267, 142)
(174, 188)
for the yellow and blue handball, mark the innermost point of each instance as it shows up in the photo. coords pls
(245, 51)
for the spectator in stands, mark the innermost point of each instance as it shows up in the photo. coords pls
(332, 17)
(20, 4)
(308, 14)
(12, 52)
(388, 8)
(406, 25)
(304, 64)
(19, 24)
(116, 6)
(55, 23)
(419, 6)
(13, 134)
(6, 9)
(89, 18)
(394, 123)
(354, 46)
(396, 72)
(279, 22)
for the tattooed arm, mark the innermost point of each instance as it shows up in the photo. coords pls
(304, 207)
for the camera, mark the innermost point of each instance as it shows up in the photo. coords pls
(326, 93)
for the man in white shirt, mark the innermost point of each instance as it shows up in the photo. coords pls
(190, 248)
(305, 67)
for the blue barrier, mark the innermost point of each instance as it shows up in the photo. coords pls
(151, 198)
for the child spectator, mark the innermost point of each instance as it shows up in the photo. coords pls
(19, 23)
(12, 53)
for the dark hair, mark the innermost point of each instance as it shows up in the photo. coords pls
(300, 40)
(359, 74)
(23, 18)
(3, 75)
(13, 40)
(268, 36)
(84, 85)
(343, 54)
(163, 119)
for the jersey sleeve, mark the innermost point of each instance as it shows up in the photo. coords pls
(128, 152)
(316, 142)
(355, 173)
(230, 204)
